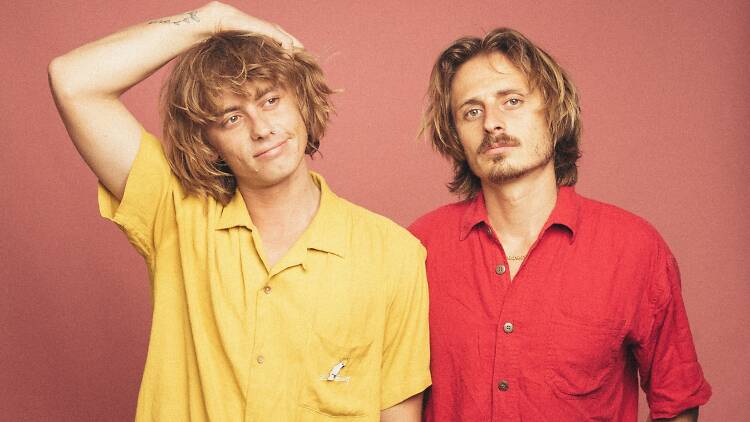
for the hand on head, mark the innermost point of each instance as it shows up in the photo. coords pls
(228, 18)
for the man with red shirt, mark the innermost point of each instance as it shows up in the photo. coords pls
(544, 305)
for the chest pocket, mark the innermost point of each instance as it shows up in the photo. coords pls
(340, 379)
(582, 355)
(341, 372)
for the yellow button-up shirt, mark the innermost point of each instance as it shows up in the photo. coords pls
(337, 327)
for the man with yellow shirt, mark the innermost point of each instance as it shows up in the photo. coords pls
(274, 299)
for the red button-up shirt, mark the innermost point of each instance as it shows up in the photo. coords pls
(596, 301)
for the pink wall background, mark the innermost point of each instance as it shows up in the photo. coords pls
(664, 88)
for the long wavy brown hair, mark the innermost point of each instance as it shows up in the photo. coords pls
(562, 107)
(227, 62)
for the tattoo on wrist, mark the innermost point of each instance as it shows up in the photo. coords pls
(190, 17)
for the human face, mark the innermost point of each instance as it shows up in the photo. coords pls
(261, 136)
(500, 122)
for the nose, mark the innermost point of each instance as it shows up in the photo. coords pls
(494, 121)
(260, 127)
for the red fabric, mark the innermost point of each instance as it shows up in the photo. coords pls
(596, 301)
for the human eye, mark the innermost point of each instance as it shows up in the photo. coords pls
(514, 102)
(231, 120)
(472, 113)
(272, 100)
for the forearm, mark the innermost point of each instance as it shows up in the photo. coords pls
(109, 66)
(690, 415)
(409, 410)
(86, 83)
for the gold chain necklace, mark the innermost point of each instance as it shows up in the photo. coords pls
(516, 257)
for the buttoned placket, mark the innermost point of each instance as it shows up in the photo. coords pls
(506, 368)
(507, 340)
(262, 297)
(259, 359)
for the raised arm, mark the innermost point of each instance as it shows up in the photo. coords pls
(87, 82)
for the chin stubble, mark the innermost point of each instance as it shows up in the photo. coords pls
(502, 172)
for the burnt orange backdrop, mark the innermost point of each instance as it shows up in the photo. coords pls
(664, 88)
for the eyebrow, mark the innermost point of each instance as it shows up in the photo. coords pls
(227, 110)
(501, 93)
(260, 93)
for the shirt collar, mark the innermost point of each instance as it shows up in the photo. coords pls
(234, 214)
(565, 213)
(476, 213)
(326, 232)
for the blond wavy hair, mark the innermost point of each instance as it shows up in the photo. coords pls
(562, 107)
(227, 62)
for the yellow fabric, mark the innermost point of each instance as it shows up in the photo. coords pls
(233, 339)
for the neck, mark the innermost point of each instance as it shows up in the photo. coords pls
(517, 209)
(284, 210)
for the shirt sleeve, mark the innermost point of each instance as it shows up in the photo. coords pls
(146, 190)
(406, 352)
(670, 373)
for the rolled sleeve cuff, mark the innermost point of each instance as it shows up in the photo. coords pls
(405, 390)
(668, 404)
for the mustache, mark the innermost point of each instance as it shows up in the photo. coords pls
(503, 139)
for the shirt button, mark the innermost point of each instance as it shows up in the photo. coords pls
(502, 385)
(260, 359)
(508, 327)
(500, 269)
(267, 290)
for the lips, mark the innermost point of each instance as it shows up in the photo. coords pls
(270, 150)
(503, 145)
(497, 147)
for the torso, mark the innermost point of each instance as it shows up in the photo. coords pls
(572, 306)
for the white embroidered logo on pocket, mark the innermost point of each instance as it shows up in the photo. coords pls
(333, 374)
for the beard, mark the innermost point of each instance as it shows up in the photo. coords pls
(503, 170)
